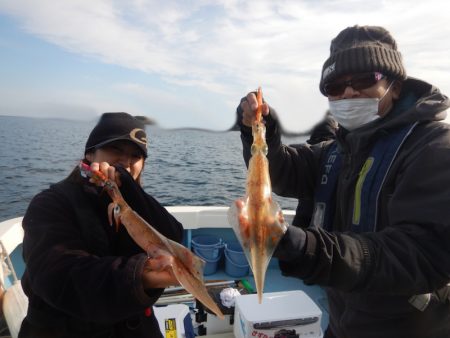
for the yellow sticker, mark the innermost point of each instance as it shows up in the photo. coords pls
(171, 328)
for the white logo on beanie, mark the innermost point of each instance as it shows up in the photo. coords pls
(327, 71)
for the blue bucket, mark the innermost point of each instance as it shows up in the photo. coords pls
(235, 252)
(210, 266)
(236, 264)
(208, 247)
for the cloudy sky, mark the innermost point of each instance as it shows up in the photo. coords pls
(187, 63)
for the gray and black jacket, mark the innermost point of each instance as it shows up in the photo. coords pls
(372, 277)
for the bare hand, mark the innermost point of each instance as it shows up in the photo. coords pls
(249, 106)
(108, 170)
(158, 273)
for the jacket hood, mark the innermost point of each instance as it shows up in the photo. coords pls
(429, 104)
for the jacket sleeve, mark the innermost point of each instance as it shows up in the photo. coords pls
(149, 208)
(152, 212)
(413, 251)
(410, 255)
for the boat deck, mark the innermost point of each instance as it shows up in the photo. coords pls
(196, 221)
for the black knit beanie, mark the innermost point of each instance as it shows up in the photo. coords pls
(117, 126)
(361, 49)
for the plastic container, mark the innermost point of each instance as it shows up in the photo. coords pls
(210, 266)
(236, 264)
(208, 247)
(236, 253)
(286, 310)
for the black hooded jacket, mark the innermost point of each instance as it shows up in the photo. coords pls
(370, 277)
(82, 278)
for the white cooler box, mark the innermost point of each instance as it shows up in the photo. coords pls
(280, 315)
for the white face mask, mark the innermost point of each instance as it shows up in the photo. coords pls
(354, 113)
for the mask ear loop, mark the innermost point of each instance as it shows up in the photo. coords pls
(384, 95)
(387, 90)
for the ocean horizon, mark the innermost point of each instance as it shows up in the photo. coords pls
(185, 166)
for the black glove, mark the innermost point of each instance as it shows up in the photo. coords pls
(292, 245)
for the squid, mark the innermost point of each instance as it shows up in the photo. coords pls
(257, 219)
(185, 265)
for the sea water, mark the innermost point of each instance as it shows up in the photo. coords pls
(184, 166)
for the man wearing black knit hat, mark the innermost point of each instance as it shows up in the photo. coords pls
(379, 236)
(83, 278)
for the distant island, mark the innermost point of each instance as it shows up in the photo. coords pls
(146, 120)
(235, 127)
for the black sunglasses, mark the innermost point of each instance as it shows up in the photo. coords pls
(357, 82)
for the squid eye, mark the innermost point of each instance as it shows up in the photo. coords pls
(116, 209)
(253, 149)
(265, 149)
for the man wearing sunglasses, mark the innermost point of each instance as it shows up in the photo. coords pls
(379, 236)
